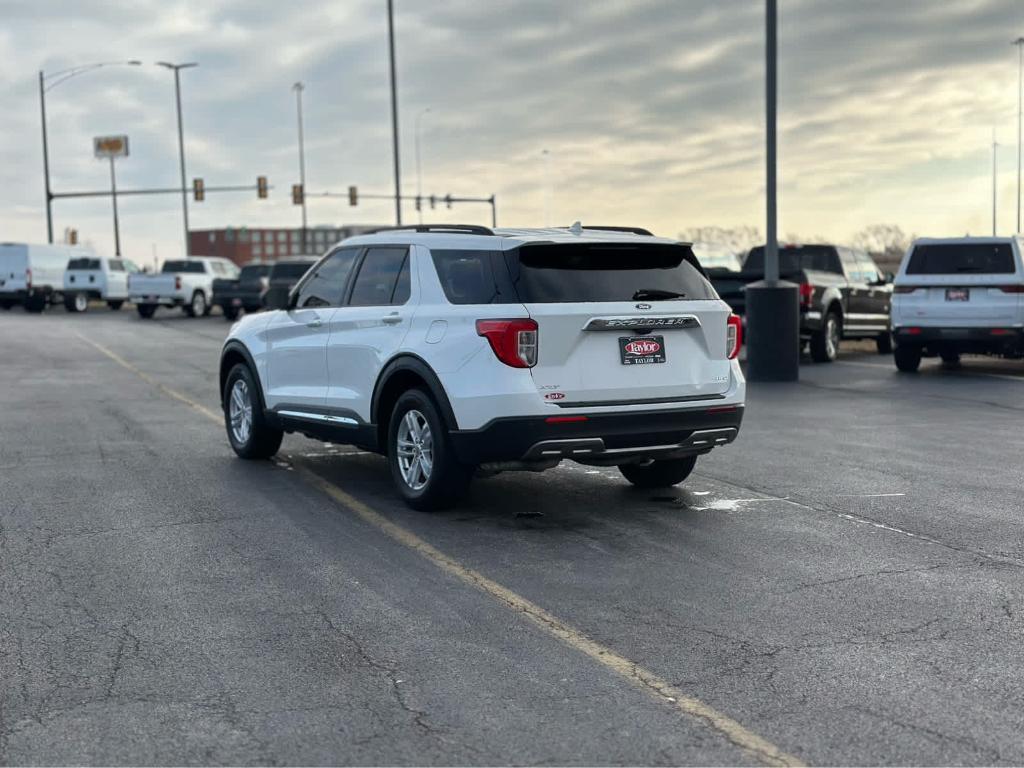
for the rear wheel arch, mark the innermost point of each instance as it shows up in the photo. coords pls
(400, 375)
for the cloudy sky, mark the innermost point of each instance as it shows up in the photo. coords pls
(651, 111)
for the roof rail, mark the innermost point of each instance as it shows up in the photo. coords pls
(632, 230)
(451, 229)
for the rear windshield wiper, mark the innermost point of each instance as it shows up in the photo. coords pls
(656, 294)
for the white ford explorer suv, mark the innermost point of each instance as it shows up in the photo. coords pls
(959, 296)
(458, 349)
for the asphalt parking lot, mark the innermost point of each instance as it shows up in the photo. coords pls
(843, 585)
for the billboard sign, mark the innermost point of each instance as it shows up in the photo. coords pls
(110, 146)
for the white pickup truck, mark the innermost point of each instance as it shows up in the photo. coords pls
(96, 277)
(185, 283)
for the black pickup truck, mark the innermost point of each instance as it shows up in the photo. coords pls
(843, 294)
(243, 293)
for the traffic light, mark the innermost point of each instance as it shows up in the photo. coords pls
(261, 187)
(198, 190)
(353, 196)
(448, 200)
(297, 194)
(433, 201)
(418, 203)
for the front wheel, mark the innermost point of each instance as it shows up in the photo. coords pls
(424, 467)
(230, 313)
(950, 360)
(35, 303)
(908, 359)
(250, 435)
(145, 310)
(884, 343)
(115, 305)
(662, 473)
(825, 343)
(6, 305)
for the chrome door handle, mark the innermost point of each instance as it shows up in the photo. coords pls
(315, 323)
(392, 319)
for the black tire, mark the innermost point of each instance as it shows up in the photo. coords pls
(884, 343)
(145, 310)
(908, 359)
(261, 441)
(447, 479)
(197, 306)
(230, 313)
(825, 343)
(115, 305)
(36, 303)
(659, 474)
(6, 305)
(69, 302)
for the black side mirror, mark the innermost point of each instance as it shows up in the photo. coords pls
(889, 277)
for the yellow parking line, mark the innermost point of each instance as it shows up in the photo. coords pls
(150, 380)
(760, 749)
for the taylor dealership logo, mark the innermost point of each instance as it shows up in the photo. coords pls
(643, 347)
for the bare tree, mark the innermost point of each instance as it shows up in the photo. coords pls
(738, 239)
(885, 242)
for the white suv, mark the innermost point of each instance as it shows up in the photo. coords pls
(458, 349)
(959, 296)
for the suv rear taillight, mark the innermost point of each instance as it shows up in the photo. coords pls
(1012, 288)
(514, 341)
(177, 283)
(733, 336)
(806, 294)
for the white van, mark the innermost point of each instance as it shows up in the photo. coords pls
(33, 275)
(96, 277)
(959, 296)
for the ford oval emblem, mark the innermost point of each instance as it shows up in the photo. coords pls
(554, 396)
(643, 306)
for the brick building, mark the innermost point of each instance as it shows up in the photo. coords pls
(245, 244)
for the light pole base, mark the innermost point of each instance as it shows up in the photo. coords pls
(773, 331)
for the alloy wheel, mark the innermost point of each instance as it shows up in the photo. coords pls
(415, 450)
(240, 412)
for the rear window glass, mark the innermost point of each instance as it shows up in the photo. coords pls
(84, 264)
(957, 259)
(290, 269)
(254, 271)
(183, 266)
(605, 272)
(821, 258)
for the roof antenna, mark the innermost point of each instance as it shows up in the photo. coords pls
(576, 228)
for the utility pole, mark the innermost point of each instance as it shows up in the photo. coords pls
(176, 68)
(46, 160)
(773, 309)
(419, 170)
(298, 88)
(1019, 42)
(394, 114)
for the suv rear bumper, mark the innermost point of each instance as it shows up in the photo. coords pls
(987, 340)
(600, 438)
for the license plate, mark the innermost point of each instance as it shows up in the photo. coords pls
(236, 302)
(958, 294)
(641, 350)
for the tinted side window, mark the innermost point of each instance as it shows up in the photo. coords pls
(868, 270)
(467, 277)
(378, 280)
(115, 265)
(326, 285)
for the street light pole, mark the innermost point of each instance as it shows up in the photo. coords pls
(773, 308)
(995, 149)
(1019, 42)
(57, 78)
(176, 68)
(298, 88)
(394, 114)
(419, 171)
